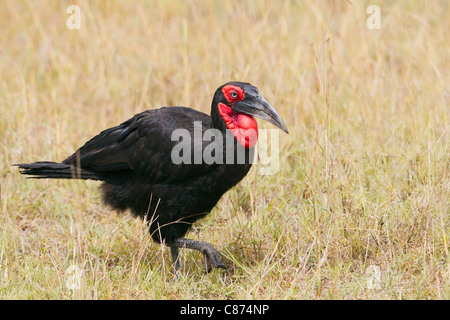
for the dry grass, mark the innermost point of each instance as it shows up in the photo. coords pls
(359, 209)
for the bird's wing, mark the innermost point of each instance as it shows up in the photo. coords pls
(143, 145)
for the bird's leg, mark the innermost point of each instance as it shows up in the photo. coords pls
(210, 253)
(176, 261)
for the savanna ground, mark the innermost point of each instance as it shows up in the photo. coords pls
(358, 210)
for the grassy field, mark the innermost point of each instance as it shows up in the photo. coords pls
(359, 208)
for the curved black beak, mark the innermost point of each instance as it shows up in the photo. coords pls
(254, 104)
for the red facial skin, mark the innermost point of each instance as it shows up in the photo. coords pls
(244, 127)
(229, 89)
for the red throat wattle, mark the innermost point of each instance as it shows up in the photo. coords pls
(244, 127)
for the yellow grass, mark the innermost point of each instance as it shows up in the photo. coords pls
(359, 208)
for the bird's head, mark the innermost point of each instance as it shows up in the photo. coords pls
(237, 103)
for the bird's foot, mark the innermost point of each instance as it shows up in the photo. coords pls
(212, 256)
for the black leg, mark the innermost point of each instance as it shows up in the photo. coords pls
(211, 254)
(176, 261)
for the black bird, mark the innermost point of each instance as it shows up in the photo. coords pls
(163, 174)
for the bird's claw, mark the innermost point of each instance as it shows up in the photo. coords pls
(210, 264)
(212, 259)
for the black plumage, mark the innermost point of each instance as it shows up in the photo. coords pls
(134, 161)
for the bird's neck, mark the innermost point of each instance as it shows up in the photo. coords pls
(243, 127)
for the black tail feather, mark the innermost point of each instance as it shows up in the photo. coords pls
(54, 170)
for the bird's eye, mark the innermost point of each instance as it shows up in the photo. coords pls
(233, 94)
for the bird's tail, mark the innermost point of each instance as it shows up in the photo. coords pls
(53, 170)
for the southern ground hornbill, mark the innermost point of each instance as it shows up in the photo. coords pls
(135, 161)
